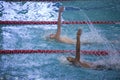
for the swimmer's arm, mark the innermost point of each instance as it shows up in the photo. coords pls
(59, 23)
(77, 57)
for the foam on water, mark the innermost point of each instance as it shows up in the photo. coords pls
(40, 11)
(63, 60)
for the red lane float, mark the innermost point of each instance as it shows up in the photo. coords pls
(93, 52)
(55, 22)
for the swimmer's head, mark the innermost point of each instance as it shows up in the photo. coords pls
(70, 59)
(52, 36)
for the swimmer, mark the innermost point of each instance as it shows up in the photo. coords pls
(57, 36)
(76, 61)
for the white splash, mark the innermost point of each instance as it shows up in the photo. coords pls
(63, 60)
(40, 11)
(112, 60)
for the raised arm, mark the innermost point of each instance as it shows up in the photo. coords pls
(57, 35)
(77, 57)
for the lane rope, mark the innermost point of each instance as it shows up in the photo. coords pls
(63, 22)
(86, 52)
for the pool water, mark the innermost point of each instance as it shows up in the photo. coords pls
(55, 66)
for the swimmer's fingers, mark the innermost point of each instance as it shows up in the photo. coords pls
(61, 9)
(79, 32)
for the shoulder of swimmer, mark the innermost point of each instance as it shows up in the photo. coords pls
(85, 64)
(66, 39)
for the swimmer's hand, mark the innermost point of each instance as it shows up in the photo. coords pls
(79, 32)
(61, 9)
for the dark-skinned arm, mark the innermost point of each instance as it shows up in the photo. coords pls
(77, 57)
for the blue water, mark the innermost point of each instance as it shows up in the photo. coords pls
(55, 66)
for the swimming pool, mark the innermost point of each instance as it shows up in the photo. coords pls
(54, 66)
